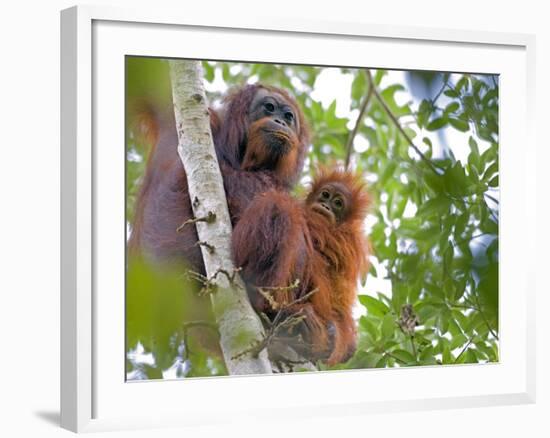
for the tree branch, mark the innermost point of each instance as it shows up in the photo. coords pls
(398, 125)
(358, 122)
(238, 324)
(464, 349)
(492, 198)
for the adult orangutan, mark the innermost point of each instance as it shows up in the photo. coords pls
(319, 242)
(261, 139)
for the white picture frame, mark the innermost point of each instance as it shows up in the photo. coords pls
(94, 394)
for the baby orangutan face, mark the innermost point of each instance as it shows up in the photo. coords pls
(332, 200)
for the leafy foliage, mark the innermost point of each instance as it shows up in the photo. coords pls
(428, 145)
(158, 300)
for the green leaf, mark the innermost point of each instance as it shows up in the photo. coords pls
(157, 302)
(424, 112)
(473, 158)
(470, 356)
(473, 145)
(426, 353)
(447, 357)
(390, 91)
(388, 171)
(491, 170)
(426, 311)
(434, 206)
(409, 266)
(427, 234)
(435, 182)
(458, 341)
(208, 71)
(460, 225)
(404, 356)
(398, 206)
(452, 107)
(359, 86)
(388, 326)
(331, 110)
(378, 75)
(458, 124)
(436, 124)
(226, 73)
(456, 181)
(370, 327)
(462, 83)
(443, 320)
(365, 360)
(448, 253)
(371, 359)
(374, 307)
(454, 328)
(483, 351)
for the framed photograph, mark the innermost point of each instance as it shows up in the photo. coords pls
(375, 181)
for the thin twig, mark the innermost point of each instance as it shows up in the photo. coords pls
(395, 358)
(398, 125)
(294, 285)
(281, 320)
(475, 308)
(211, 249)
(445, 84)
(495, 200)
(475, 236)
(358, 122)
(209, 286)
(267, 293)
(209, 218)
(289, 321)
(472, 203)
(485, 320)
(464, 349)
(230, 276)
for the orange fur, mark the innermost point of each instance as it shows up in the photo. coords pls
(163, 201)
(283, 239)
(258, 156)
(340, 251)
(249, 165)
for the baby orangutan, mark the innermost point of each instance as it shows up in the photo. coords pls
(318, 241)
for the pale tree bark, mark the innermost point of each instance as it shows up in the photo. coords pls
(239, 326)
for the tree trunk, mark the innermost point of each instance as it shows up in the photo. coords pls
(239, 326)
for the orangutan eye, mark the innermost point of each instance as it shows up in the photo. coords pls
(325, 194)
(338, 203)
(269, 107)
(289, 116)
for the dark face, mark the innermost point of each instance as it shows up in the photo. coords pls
(332, 201)
(276, 119)
(274, 139)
